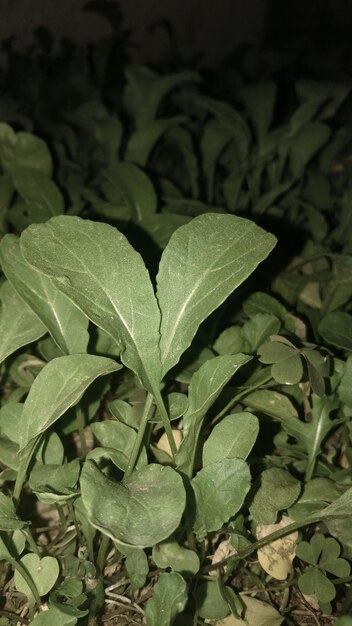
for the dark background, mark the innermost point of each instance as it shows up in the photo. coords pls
(319, 28)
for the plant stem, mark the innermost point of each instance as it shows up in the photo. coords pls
(140, 435)
(32, 544)
(81, 426)
(166, 423)
(22, 470)
(242, 554)
(103, 548)
(236, 398)
(27, 578)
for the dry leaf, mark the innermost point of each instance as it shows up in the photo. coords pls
(276, 557)
(257, 613)
(163, 443)
(223, 551)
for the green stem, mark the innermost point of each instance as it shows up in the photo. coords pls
(242, 554)
(236, 398)
(166, 423)
(22, 470)
(102, 552)
(140, 435)
(81, 426)
(32, 544)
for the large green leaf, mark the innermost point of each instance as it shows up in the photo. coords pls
(220, 489)
(96, 267)
(65, 322)
(201, 266)
(205, 386)
(169, 598)
(58, 386)
(140, 511)
(19, 325)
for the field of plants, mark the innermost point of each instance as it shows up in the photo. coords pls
(175, 342)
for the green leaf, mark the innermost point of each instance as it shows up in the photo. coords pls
(275, 491)
(258, 329)
(316, 494)
(220, 489)
(305, 552)
(260, 101)
(42, 197)
(344, 390)
(60, 385)
(288, 371)
(271, 403)
(44, 573)
(336, 328)
(169, 598)
(8, 517)
(230, 341)
(137, 567)
(121, 438)
(23, 150)
(10, 420)
(19, 325)
(96, 267)
(135, 188)
(201, 266)
(205, 386)
(145, 90)
(169, 553)
(233, 122)
(342, 507)
(210, 602)
(140, 511)
(66, 324)
(313, 581)
(338, 290)
(214, 140)
(330, 93)
(233, 437)
(142, 142)
(306, 144)
(55, 484)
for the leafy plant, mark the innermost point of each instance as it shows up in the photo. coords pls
(175, 356)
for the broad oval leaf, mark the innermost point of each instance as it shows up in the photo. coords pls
(220, 489)
(64, 321)
(96, 267)
(19, 325)
(169, 598)
(275, 490)
(141, 511)
(201, 266)
(60, 385)
(170, 554)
